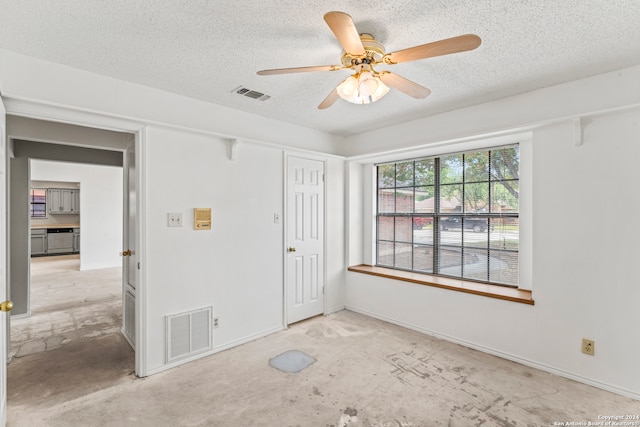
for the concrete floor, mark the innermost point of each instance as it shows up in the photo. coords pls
(67, 305)
(367, 373)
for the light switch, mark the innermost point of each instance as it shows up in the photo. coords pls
(174, 219)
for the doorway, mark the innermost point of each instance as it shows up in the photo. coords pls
(305, 239)
(72, 294)
(98, 335)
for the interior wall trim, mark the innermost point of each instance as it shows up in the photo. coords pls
(35, 109)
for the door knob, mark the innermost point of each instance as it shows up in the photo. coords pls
(292, 249)
(126, 253)
(6, 306)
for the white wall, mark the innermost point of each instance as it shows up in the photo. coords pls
(100, 208)
(583, 248)
(335, 232)
(237, 266)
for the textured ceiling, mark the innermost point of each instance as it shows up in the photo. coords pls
(204, 49)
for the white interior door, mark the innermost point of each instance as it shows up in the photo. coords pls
(130, 257)
(305, 239)
(4, 332)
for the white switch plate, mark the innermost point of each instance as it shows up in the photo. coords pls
(174, 219)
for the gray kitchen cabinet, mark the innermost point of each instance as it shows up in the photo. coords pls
(76, 240)
(38, 241)
(54, 201)
(75, 201)
(63, 201)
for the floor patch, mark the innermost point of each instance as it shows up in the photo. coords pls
(291, 361)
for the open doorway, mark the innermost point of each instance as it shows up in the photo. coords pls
(72, 303)
(75, 291)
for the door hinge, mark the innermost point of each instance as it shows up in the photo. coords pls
(138, 266)
(322, 177)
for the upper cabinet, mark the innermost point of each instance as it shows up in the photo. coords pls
(63, 201)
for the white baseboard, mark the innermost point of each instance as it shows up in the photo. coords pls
(214, 350)
(503, 355)
(334, 309)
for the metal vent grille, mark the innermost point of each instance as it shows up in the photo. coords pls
(188, 333)
(249, 93)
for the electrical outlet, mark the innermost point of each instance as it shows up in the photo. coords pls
(174, 219)
(216, 322)
(588, 346)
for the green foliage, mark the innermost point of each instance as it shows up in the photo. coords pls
(386, 176)
(483, 181)
(425, 172)
(489, 179)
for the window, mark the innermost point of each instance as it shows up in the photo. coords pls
(453, 215)
(38, 203)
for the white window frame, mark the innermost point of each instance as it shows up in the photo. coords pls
(526, 194)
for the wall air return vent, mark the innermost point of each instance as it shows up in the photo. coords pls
(253, 94)
(188, 333)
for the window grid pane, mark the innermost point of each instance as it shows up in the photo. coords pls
(403, 256)
(423, 258)
(472, 232)
(385, 254)
(385, 228)
(404, 230)
(386, 200)
(404, 200)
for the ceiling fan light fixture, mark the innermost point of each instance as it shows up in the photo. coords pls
(348, 88)
(362, 52)
(362, 88)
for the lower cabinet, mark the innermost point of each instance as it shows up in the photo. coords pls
(43, 243)
(76, 240)
(38, 241)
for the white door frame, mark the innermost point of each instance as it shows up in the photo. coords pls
(81, 117)
(4, 320)
(285, 164)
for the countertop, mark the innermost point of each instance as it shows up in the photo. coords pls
(41, 226)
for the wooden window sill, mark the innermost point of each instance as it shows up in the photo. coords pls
(487, 290)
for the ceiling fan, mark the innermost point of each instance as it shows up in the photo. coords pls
(362, 52)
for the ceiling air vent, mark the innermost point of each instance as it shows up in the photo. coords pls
(253, 94)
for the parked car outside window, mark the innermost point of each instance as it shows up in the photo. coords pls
(451, 223)
(421, 222)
